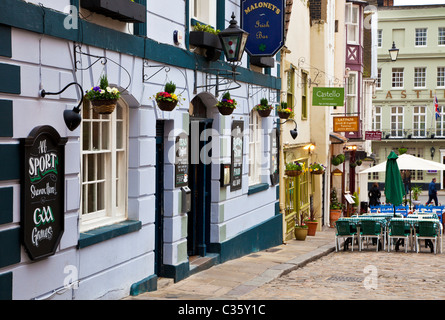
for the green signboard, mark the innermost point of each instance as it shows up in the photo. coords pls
(328, 97)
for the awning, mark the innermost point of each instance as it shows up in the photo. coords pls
(337, 138)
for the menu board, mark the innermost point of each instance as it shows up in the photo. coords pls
(42, 191)
(182, 160)
(237, 155)
(274, 173)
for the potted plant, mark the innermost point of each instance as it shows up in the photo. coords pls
(338, 159)
(316, 168)
(294, 169)
(264, 108)
(335, 208)
(416, 192)
(102, 97)
(312, 223)
(167, 99)
(226, 105)
(301, 229)
(283, 111)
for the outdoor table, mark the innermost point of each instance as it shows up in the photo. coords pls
(413, 221)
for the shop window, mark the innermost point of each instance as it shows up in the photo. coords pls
(104, 167)
(255, 148)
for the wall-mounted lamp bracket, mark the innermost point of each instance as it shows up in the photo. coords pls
(293, 132)
(72, 118)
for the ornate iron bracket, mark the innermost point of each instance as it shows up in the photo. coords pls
(216, 78)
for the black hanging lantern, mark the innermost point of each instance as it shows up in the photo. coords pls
(233, 40)
(393, 52)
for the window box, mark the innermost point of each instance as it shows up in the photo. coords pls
(204, 39)
(122, 10)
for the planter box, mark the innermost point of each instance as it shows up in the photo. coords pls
(122, 10)
(204, 39)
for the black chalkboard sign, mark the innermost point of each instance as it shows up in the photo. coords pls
(274, 144)
(237, 155)
(182, 160)
(42, 191)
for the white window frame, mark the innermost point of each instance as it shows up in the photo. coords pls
(352, 93)
(110, 168)
(420, 77)
(352, 18)
(441, 36)
(440, 77)
(204, 11)
(421, 37)
(378, 84)
(377, 119)
(255, 148)
(397, 78)
(440, 124)
(379, 38)
(419, 121)
(397, 119)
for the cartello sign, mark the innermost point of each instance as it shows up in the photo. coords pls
(264, 21)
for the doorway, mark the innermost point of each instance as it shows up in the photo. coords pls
(198, 238)
(159, 193)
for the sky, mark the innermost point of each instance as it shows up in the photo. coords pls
(417, 2)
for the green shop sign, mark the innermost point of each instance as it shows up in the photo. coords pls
(328, 97)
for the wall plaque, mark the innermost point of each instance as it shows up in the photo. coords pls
(237, 155)
(42, 191)
(182, 160)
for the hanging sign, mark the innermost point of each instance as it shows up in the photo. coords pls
(346, 124)
(328, 97)
(182, 160)
(264, 21)
(373, 135)
(237, 155)
(42, 191)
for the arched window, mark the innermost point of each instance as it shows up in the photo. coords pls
(104, 168)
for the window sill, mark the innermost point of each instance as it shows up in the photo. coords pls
(257, 188)
(98, 235)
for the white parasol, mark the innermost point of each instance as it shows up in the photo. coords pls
(408, 162)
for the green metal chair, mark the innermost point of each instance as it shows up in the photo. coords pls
(427, 230)
(371, 229)
(398, 230)
(344, 230)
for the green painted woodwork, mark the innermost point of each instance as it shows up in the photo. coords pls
(10, 254)
(20, 14)
(6, 286)
(10, 80)
(145, 285)
(6, 199)
(258, 188)
(108, 232)
(11, 164)
(5, 40)
(6, 119)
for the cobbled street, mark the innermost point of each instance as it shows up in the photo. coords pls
(362, 275)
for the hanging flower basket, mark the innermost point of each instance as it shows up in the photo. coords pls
(226, 105)
(103, 98)
(264, 108)
(293, 173)
(317, 168)
(167, 99)
(283, 115)
(104, 106)
(166, 105)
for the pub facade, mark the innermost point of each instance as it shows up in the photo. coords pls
(100, 204)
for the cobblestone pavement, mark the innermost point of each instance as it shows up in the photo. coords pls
(362, 275)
